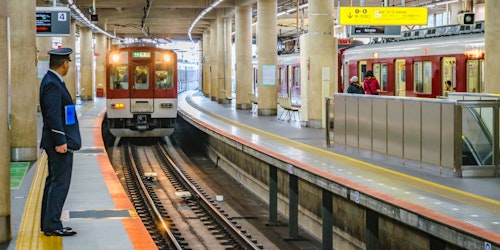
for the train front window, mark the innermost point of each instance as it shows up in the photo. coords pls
(164, 76)
(118, 76)
(141, 77)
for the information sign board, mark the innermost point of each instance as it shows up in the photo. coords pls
(53, 21)
(375, 31)
(383, 16)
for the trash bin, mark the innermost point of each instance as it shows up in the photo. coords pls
(99, 92)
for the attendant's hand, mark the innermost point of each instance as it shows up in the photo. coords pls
(62, 149)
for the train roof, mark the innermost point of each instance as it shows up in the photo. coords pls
(419, 47)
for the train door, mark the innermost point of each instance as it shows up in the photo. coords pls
(142, 76)
(289, 80)
(475, 79)
(282, 83)
(295, 94)
(361, 70)
(448, 72)
(400, 77)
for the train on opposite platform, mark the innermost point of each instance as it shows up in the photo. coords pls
(416, 65)
(143, 82)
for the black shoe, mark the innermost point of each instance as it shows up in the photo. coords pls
(60, 232)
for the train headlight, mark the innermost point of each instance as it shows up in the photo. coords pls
(166, 105)
(118, 105)
(115, 57)
(166, 58)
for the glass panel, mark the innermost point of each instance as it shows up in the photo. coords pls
(361, 70)
(477, 139)
(383, 77)
(118, 76)
(376, 71)
(427, 77)
(417, 77)
(472, 76)
(481, 75)
(141, 77)
(448, 65)
(164, 76)
(400, 76)
(297, 76)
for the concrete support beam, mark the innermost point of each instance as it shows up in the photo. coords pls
(267, 44)
(23, 77)
(243, 51)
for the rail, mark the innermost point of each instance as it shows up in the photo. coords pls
(456, 136)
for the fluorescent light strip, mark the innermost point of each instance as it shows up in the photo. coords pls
(201, 15)
(86, 21)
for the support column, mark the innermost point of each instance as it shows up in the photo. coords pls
(293, 207)
(86, 70)
(228, 66)
(100, 72)
(70, 78)
(492, 47)
(273, 195)
(371, 231)
(319, 55)
(267, 46)
(327, 214)
(22, 85)
(5, 228)
(205, 84)
(43, 45)
(243, 51)
(221, 49)
(214, 76)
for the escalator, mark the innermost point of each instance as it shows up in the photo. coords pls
(477, 139)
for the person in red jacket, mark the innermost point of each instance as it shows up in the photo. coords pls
(370, 84)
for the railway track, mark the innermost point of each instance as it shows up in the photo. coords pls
(176, 211)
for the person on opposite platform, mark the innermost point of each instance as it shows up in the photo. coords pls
(60, 138)
(354, 87)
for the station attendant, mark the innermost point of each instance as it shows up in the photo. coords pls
(60, 138)
(354, 87)
(370, 84)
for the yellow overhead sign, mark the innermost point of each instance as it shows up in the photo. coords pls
(383, 16)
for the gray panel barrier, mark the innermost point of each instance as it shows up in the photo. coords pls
(420, 132)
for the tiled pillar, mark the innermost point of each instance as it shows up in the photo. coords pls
(86, 70)
(205, 85)
(70, 78)
(243, 51)
(5, 228)
(23, 78)
(213, 62)
(492, 47)
(319, 59)
(267, 46)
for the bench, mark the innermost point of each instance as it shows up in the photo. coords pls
(255, 103)
(288, 109)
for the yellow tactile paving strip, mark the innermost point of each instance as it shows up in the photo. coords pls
(30, 236)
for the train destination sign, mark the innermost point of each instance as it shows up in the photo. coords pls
(383, 15)
(53, 21)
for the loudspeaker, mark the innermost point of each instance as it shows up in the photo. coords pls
(466, 18)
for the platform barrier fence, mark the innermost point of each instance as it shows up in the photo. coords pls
(455, 136)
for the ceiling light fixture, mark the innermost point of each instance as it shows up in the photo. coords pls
(201, 15)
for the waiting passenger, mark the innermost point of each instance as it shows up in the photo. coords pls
(448, 87)
(370, 84)
(355, 87)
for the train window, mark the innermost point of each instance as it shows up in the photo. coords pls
(474, 76)
(376, 71)
(296, 76)
(118, 76)
(361, 69)
(164, 76)
(448, 72)
(383, 76)
(422, 77)
(141, 77)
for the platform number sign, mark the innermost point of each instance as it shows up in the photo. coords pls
(53, 21)
(62, 16)
(487, 246)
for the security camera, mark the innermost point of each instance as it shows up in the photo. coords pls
(465, 18)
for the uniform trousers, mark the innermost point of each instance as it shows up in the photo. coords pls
(56, 189)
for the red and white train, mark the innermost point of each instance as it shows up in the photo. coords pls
(141, 91)
(413, 66)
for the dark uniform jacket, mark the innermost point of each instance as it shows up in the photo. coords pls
(54, 99)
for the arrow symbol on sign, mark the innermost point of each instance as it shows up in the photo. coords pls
(350, 15)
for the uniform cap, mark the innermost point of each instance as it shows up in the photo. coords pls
(354, 79)
(62, 53)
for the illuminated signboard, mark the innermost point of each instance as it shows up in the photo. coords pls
(383, 16)
(53, 21)
(141, 54)
(375, 31)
